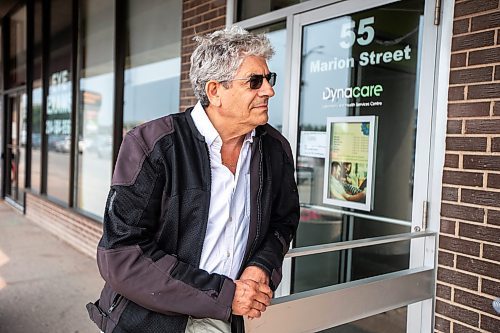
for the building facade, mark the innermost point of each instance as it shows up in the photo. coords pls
(392, 109)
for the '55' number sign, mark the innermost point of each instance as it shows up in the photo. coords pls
(366, 33)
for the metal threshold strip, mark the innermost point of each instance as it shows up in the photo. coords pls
(330, 247)
(323, 308)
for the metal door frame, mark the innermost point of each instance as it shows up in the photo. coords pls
(419, 315)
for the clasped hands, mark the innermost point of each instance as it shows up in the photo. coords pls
(252, 295)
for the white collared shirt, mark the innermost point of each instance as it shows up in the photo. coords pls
(229, 213)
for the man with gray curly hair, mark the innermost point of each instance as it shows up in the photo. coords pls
(203, 204)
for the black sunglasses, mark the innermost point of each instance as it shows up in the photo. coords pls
(256, 80)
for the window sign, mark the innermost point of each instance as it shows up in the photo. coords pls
(59, 105)
(350, 162)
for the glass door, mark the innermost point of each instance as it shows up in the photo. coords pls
(16, 147)
(362, 137)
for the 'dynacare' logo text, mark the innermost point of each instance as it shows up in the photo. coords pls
(334, 94)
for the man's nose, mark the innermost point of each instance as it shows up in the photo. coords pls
(266, 89)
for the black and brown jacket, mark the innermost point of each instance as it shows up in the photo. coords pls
(155, 223)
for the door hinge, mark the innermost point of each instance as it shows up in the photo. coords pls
(424, 214)
(437, 12)
(423, 226)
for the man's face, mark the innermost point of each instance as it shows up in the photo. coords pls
(243, 106)
(336, 172)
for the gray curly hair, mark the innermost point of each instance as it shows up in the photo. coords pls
(219, 55)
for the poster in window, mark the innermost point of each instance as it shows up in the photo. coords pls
(350, 162)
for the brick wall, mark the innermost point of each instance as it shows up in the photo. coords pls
(198, 18)
(469, 241)
(75, 229)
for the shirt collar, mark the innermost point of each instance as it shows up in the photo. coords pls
(207, 129)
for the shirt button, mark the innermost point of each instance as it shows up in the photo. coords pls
(228, 254)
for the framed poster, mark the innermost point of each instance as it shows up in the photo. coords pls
(350, 162)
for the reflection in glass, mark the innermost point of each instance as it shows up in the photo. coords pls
(23, 131)
(393, 321)
(249, 8)
(16, 148)
(153, 63)
(361, 64)
(277, 35)
(95, 114)
(58, 123)
(17, 49)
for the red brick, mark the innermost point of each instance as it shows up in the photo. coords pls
(495, 144)
(483, 198)
(475, 109)
(485, 56)
(461, 26)
(483, 126)
(481, 162)
(456, 93)
(493, 217)
(442, 325)
(496, 106)
(492, 252)
(457, 278)
(497, 69)
(457, 328)
(473, 301)
(457, 313)
(494, 181)
(443, 291)
(462, 178)
(451, 161)
(473, 41)
(490, 324)
(471, 75)
(466, 143)
(449, 194)
(454, 127)
(478, 266)
(488, 21)
(478, 232)
(459, 245)
(482, 91)
(447, 227)
(446, 259)
(490, 287)
(473, 6)
(462, 212)
(458, 60)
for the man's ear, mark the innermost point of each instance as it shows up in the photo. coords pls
(212, 89)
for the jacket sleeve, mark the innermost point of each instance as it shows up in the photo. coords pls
(285, 212)
(129, 258)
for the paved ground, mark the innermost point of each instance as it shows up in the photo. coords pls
(44, 282)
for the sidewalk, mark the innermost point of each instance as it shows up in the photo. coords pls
(44, 282)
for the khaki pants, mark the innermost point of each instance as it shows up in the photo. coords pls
(207, 325)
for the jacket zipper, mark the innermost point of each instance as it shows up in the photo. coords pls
(259, 208)
(115, 303)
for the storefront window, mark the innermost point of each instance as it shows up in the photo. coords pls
(17, 48)
(359, 77)
(277, 35)
(58, 123)
(152, 65)
(95, 125)
(36, 138)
